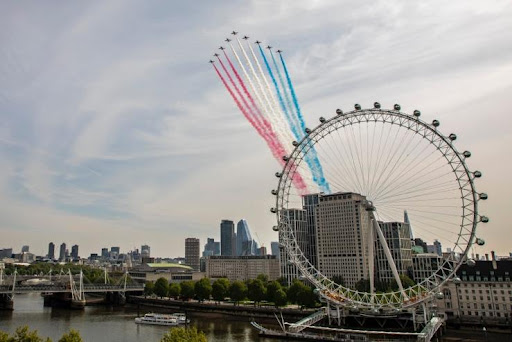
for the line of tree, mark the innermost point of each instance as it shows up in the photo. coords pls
(23, 334)
(255, 290)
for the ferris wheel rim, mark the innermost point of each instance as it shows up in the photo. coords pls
(464, 178)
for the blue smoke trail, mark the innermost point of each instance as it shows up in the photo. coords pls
(296, 132)
(312, 158)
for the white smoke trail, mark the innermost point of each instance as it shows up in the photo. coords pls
(251, 84)
(287, 137)
(271, 115)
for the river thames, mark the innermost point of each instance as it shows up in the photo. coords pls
(100, 323)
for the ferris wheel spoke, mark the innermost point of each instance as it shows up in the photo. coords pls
(416, 177)
(416, 188)
(403, 146)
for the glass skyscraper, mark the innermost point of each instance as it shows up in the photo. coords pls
(245, 245)
(227, 238)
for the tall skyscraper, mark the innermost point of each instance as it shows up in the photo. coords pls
(274, 248)
(342, 233)
(192, 253)
(145, 251)
(51, 251)
(74, 252)
(244, 243)
(114, 252)
(104, 253)
(62, 252)
(227, 238)
(211, 248)
(297, 220)
(398, 239)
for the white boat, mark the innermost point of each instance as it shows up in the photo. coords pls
(163, 319)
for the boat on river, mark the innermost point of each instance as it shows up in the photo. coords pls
(163, 319)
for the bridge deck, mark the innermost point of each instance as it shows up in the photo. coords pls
(5, 289)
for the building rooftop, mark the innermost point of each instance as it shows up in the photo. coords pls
(167, 265)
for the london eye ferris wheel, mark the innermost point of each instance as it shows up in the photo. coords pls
(391, 162)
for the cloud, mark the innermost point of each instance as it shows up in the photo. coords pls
(112, 123)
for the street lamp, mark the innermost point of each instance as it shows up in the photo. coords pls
(485, 333)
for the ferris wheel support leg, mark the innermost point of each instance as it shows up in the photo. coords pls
(389, 257)
(371, 265)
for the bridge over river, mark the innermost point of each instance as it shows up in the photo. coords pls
(69, 290)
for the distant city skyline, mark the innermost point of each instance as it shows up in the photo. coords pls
(119, 132)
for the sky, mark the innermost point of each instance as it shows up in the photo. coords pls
(115, 131)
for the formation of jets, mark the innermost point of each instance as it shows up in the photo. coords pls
(234, 33)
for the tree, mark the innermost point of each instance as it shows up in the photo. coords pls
(187, 289)
(263, 278)
(406, 282)
(363, 285)
(220, 289)
(256, 290)
(237, 291)
(294, 291)
(181, 334)
(338, 279)
(22, 334)
(307, 297)
(161, 287)
(149, 289)
(72, 336)
(174, 290)
(203, 289)
(272, 288)
(280, 298)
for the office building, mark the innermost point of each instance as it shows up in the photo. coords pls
(211, 247)
(5, 253)
(342, 233)
(482, 296)
(145, 251)
(104, 253)
(296, 219)
(51, 251)
(74, 252)
(114, 252)
(227, 238)
(398, 239)
(424, 265)
(274, 248)
(242, 267)
(192, 253)
(245, 245)
(62, 252)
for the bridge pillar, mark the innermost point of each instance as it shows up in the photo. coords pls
(6, 302)
(115, 298)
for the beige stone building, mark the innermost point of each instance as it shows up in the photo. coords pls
(242, 267)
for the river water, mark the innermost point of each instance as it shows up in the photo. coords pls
(113, 324)
(100, 323)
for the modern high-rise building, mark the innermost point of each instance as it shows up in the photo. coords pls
(274, 248)
(227, 238)
(145, 251)
(104, 253)
(192, 253)
(114, 252)
(398, 239)
(51, 251)
(245, 245)
(74, 252)
(342, 232)
(211, 247)
(62, 252)
(297, 221)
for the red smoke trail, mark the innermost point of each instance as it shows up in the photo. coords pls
(275, 146)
